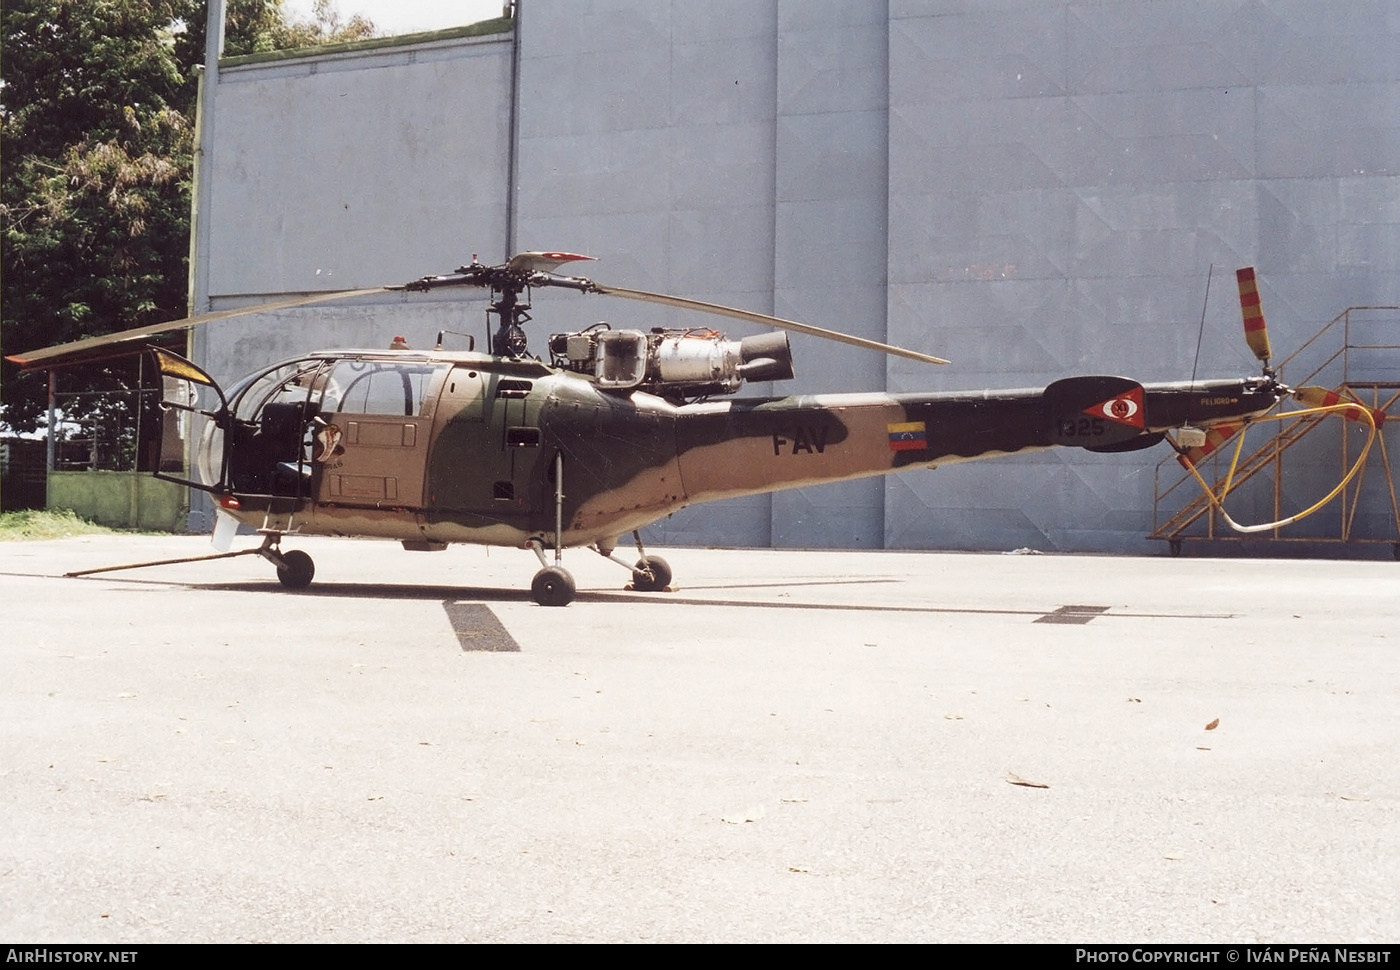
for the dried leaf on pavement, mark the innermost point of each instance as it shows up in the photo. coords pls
(1014, 779)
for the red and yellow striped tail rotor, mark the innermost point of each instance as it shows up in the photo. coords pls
(1319, 397)
(1215, 437)
(1256, 332)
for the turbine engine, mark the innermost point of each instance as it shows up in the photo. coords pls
(672, 363)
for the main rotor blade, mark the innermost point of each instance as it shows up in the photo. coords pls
(111, 345)
(764, 319)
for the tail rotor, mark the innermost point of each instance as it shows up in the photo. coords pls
(1193, 445)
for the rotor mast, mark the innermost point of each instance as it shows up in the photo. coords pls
(525, 270)
(507, 282)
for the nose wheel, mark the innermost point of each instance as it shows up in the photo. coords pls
(296, 570)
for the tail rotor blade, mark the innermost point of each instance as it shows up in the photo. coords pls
(1321, 397)
(1256, 332)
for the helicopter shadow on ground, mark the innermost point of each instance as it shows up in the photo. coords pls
(463, 594)
(477, 627)
(434, 591)
(454, 596)
(465, 604)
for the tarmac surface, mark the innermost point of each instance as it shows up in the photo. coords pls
(790, 746)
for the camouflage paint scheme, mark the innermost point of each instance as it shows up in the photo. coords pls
(477, 463)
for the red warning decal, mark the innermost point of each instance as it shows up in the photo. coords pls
(1125, 409)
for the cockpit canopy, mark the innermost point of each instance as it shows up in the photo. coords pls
(326, 385)
(259, 437)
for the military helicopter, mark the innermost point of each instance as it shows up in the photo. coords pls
(614, 430)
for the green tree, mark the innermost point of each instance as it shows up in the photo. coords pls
(255, 26)
(97, 100)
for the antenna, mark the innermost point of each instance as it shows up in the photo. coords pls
(1200, 335)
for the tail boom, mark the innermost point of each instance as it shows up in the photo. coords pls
(745, 447)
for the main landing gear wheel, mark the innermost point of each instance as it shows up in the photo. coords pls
(296, 570)
(553, 586)
(660, 576)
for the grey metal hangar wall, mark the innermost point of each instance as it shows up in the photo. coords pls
(1034, 189)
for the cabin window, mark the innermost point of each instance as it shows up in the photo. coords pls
(379, 387)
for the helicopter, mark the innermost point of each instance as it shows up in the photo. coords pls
(612, 430)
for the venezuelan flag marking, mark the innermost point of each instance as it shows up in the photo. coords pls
(907, 436)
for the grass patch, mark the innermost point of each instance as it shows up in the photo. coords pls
(41, 524)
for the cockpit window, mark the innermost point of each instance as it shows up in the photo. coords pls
(290, 383)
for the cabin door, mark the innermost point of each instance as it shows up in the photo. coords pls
(378, 417)
(192, 410)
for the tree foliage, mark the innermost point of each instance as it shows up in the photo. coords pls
(97, 101)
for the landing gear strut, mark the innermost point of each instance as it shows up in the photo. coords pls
(553, 585)
(295, 569)
(651, 574)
